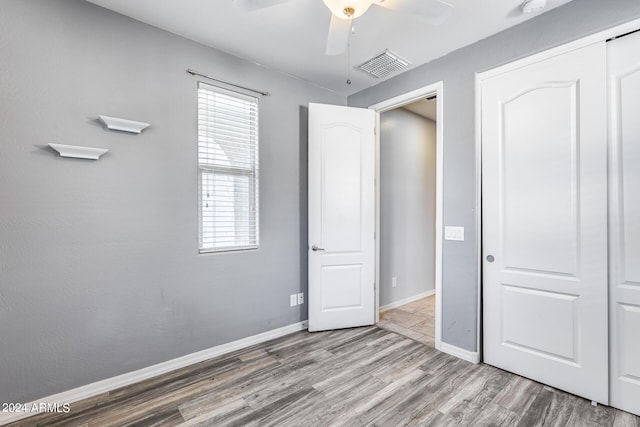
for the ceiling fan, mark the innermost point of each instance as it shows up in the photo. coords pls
(343, 12)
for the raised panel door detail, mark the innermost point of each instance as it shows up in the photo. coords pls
(629, 85)
(628, 336)
(341, 189)
(341, 287)
(540, 312)
(540, 180)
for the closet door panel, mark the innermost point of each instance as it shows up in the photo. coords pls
(624, 214)
(544, 216)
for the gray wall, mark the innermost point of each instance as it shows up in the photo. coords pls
(407, 204)
(566, 23)
(99, 266)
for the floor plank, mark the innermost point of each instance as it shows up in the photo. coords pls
(353, 377)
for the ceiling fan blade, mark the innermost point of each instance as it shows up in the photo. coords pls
(434, 12)
(338, 35)
(249, 5)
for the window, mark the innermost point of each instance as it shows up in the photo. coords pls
(228, 169)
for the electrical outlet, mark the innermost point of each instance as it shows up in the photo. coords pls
(394, 282)
(301, 298)
(293, 300)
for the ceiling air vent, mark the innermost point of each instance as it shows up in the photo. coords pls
(383, 64)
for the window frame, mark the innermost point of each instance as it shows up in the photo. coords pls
(251, 172)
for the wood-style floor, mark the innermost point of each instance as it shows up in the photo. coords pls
(354, 377)
(414, 320)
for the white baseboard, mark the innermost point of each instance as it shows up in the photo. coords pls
(469, 356)
(406, 300)
(99, 387)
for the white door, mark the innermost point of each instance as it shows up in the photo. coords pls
(341, 217)
(544, 190)
(624, 252)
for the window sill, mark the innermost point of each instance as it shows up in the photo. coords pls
(229, 249)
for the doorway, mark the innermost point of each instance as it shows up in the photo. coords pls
(409, 214)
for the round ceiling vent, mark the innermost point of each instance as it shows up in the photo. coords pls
(532, 6)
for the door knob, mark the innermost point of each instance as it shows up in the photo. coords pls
(315, 248)
(490, 258)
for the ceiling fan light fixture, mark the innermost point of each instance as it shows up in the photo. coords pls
(348, 9)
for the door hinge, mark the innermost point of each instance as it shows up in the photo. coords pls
(374, 235)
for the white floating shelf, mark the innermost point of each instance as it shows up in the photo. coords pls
(78, 152)
(124, 125)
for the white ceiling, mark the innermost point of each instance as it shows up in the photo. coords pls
(291, 37)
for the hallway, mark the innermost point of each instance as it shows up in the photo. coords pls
(415, 320)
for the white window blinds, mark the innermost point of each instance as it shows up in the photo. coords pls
(228, 169)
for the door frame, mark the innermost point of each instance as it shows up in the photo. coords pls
(604, 35)
(437, 90)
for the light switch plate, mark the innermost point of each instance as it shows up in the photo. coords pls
(293, 300)
(454, 233)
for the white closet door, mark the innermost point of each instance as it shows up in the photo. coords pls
(624, 311)
(544, 189)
